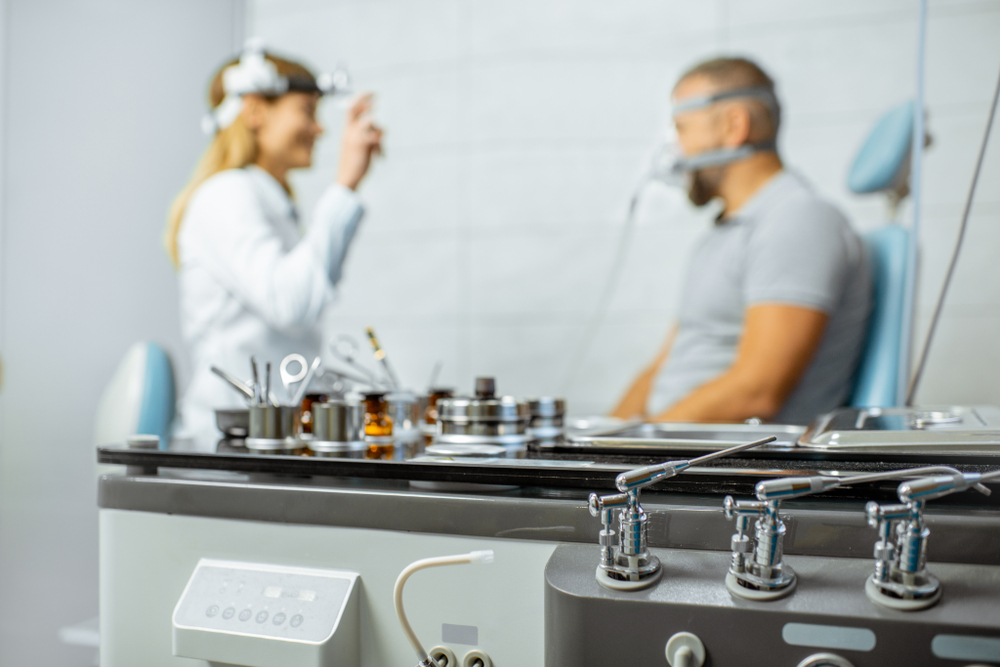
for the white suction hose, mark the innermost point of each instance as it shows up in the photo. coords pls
(460, 559)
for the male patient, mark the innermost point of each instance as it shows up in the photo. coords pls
(776, 299)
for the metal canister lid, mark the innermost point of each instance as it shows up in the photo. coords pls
(547, 406)
(498, 409)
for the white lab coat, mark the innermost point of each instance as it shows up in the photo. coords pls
(251, 283)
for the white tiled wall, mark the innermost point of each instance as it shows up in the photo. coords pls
(516, 130)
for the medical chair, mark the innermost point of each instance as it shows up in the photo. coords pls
(883, 165)
(139, 399)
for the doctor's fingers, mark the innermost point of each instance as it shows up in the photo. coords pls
(375, 141)
(361, 106)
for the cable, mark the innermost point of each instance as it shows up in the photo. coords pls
(474, 557)
(610, 286)
(894, 474)
(954, 256)
(905, 352)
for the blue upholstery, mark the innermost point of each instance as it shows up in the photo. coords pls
(878, 370)
(885, 152)
(159, 394)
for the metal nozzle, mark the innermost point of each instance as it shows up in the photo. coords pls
(928, 488)
(643, 477)
(647, 475)
(794, 487)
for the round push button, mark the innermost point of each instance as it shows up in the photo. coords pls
(296, 621)
(279, 618)
(261, 617)
(245, 615)
(228, 613)
(212, 611)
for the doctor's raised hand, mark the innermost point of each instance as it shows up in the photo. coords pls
(361, 140)
(254, 275)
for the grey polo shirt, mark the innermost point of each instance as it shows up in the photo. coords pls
(784, 246)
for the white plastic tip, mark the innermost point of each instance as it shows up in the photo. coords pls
(483, 557)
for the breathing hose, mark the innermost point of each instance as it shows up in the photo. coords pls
(473, 557)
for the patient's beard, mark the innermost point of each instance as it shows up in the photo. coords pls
(703, 185)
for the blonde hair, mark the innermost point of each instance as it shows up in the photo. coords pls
(234, 147)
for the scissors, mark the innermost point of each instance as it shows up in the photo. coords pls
(345, 348)
(304, 375)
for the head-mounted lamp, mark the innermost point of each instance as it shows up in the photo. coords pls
(255, 74)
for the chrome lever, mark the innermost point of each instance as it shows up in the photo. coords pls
(757, 570)
(626, 563)
(901, 579)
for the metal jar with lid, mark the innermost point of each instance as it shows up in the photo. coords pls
(547, 415)
(485, 419)
(338, 429)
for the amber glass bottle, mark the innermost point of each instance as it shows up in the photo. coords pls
(377, 419)
(378, 426)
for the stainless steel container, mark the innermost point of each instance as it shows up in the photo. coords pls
(233, 423)
(951, 428)
(547, 414)
(338, 429)
(273, 428)
(483, 420)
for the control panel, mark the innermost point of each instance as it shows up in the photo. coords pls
(262, 615)
(827, 621)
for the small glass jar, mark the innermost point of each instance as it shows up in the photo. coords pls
(378, 427)
(377, 419)
(430, 416)
(307, 416)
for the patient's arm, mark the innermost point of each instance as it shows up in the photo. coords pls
(633, 403)
(777, 345)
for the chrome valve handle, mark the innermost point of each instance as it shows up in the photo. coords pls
(901, 579)
(757, 570)
(626, 563)
(604, 507)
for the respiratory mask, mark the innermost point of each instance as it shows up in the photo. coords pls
(670, 166)
(255, 74)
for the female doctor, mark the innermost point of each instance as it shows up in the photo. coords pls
(251, 281)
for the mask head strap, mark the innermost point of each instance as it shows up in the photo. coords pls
(724, 156)
(254, 73)
(761, 93)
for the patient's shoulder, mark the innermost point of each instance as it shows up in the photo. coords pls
(801, 212)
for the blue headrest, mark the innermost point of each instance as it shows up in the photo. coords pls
(156, 411)
(885, 152)
(139, 399)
